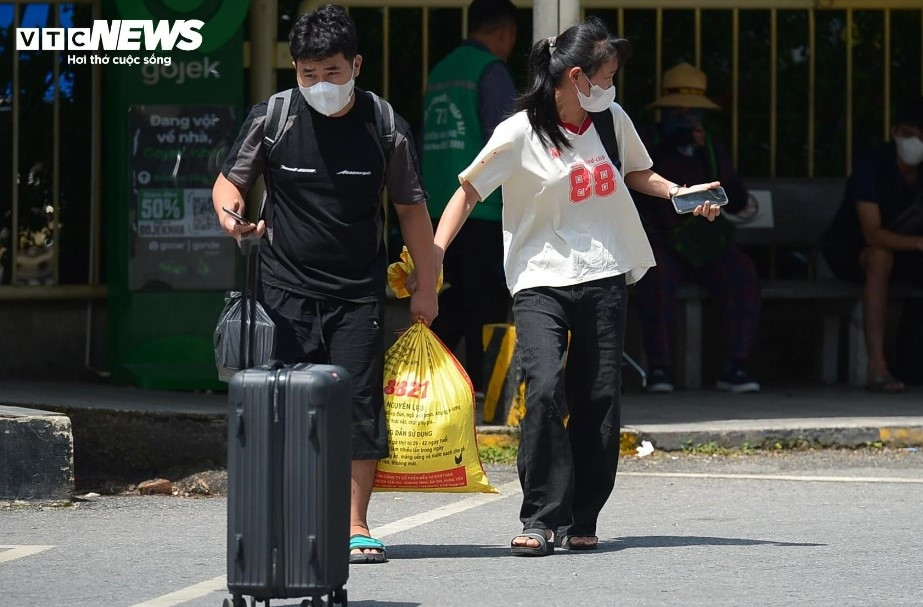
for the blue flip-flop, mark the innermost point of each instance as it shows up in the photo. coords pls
(364, 542)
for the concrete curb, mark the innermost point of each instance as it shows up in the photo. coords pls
(36, 456)
(119, 446)
(755, 434)
(846, 433)
(504, 436)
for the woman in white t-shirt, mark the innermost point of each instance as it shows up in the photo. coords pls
(572, 243)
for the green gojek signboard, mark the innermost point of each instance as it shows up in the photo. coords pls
(171, 113)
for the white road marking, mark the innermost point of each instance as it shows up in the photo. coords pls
(779, 477)
(478, 499)
(187, 594)
(11, 553)
(220, 583)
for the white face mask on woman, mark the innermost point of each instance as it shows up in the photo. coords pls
(328, 98)
(599, 98)
(910, 150)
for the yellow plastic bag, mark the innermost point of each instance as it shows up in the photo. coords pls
(429, 408)
(400, 270)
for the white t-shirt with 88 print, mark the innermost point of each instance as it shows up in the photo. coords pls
(568, 217)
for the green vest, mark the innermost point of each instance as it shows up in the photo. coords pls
(452, 130)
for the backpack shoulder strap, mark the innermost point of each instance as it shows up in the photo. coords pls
(276, 116)
(384, 122)
(605, 127)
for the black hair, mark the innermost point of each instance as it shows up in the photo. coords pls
(910, 112)
(323, 33)
(587, 45)
(488, 15)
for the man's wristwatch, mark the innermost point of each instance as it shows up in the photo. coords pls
(673, 191)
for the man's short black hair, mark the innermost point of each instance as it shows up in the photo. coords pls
(910, 112)
(323, 33)
(487, 15)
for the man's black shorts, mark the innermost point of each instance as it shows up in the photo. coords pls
(337, 333)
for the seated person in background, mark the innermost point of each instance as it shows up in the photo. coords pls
(683, 152)
(878, 231)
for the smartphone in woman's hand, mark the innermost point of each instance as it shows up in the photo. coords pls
(686, 203)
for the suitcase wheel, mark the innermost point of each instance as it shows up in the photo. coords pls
(235, 601)
(336, 598)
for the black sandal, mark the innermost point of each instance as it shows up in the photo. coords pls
(886, 384)
(544, 548)
(565, 542)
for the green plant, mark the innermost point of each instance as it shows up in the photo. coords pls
(709, 448)
(499, 454)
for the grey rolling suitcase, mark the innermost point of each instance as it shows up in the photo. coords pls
(288, 482)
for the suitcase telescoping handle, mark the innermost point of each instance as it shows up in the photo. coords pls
(251, 249)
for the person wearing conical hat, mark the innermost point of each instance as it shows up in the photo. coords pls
(683, 151)
(684, 86)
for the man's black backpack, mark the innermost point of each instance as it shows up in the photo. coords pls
(277, 115)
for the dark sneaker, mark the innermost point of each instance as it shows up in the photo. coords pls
(659, 381)
(737, 380)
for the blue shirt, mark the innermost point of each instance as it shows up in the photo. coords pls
(496, 94)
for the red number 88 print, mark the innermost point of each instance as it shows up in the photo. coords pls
(584, 183)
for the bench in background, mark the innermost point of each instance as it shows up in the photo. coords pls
(802, 210)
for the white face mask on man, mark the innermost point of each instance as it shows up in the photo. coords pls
(599, 98)
(328, 98)
(910, 150)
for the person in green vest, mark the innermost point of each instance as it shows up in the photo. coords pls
(468, 94)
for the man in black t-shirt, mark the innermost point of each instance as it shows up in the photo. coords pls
(878, 231)
(323, 267)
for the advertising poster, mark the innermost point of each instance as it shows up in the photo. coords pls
(177, 243)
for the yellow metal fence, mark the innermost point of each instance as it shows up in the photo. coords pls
(802, 82)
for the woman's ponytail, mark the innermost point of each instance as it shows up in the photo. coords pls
(538, 100)
(586, 45)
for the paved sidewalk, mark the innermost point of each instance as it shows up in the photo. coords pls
(839, 416)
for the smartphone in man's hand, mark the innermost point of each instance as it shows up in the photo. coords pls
(237, 216)
(686, 203)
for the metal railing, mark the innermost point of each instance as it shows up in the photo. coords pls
(92, 287)
(901, 27)
(624, 11)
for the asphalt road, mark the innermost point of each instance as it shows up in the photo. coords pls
(824, 528)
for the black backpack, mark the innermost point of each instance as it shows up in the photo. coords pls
(277, 115)
(605, 128)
